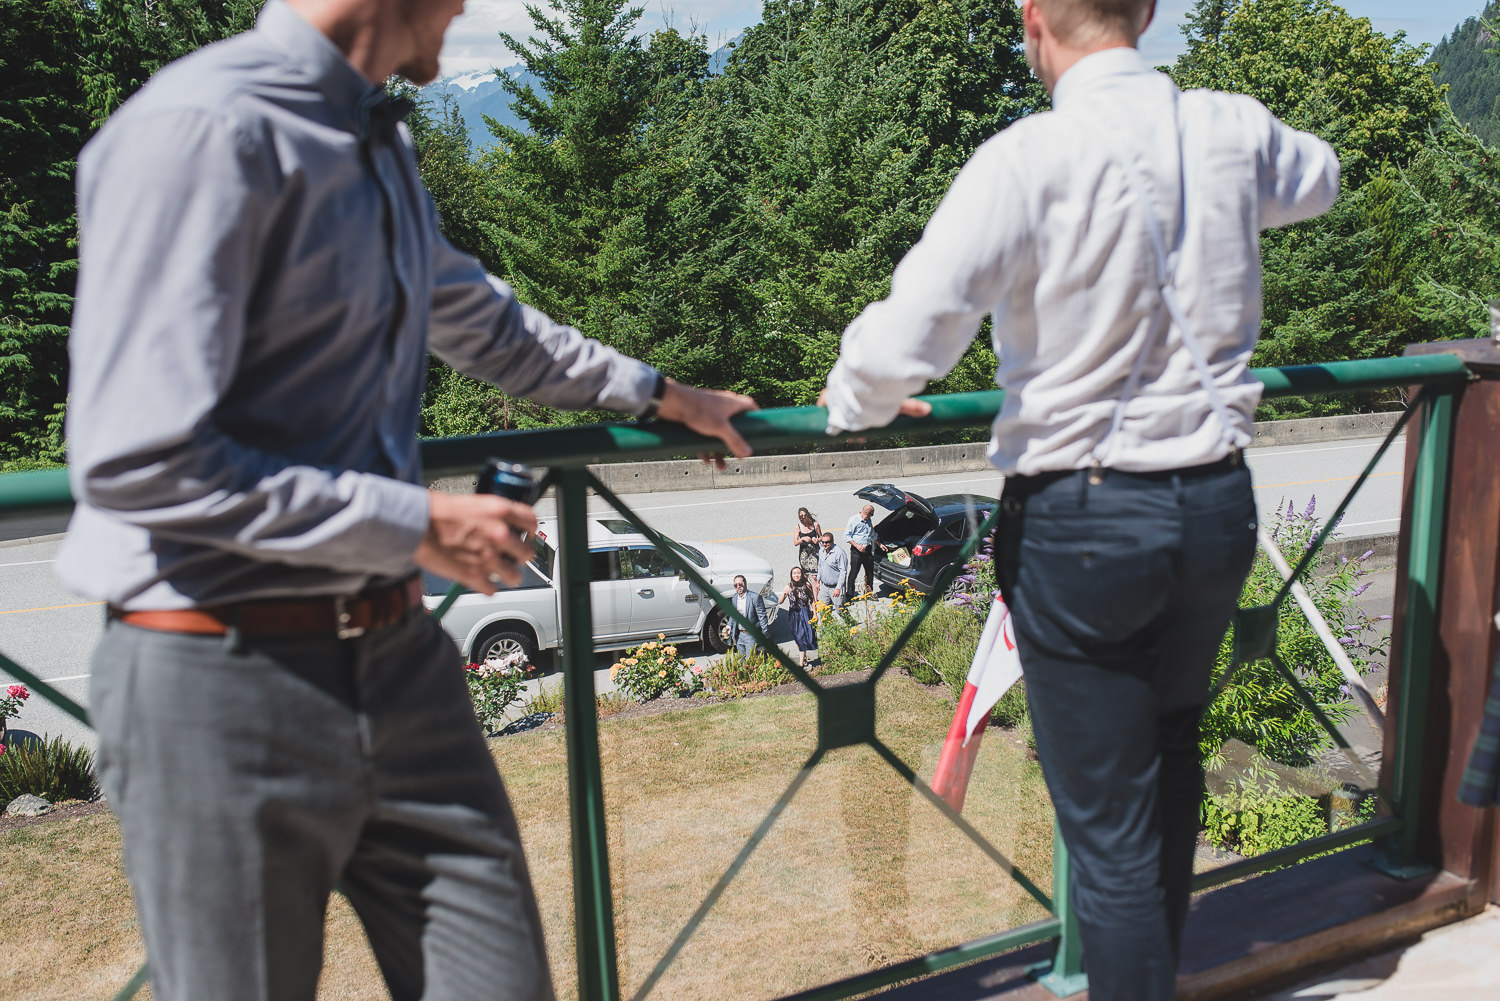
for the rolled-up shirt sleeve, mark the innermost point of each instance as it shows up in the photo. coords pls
(481, 329)
(940, 292)
(172, 220)
(1299, 173)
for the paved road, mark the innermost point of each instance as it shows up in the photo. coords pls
(52, 631)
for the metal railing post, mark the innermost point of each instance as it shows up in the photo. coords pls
(593, 904)
(1423, 572)
(1066, 975)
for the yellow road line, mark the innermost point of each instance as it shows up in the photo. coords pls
(51, 608)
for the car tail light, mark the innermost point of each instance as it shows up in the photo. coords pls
(920, 550)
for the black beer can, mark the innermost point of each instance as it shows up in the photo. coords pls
(511, 480)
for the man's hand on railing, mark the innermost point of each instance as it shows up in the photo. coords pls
(475, 539)
(707, 411)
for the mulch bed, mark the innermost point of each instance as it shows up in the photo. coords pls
(64, 811)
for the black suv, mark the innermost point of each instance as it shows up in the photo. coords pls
(921, 535)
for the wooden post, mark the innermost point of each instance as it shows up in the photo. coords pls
(1454, 837)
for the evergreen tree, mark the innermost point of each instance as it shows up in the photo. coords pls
(43, 122)
(1465, 63)
(65, 66)
(807, 171)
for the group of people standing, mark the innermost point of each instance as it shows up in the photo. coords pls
(824, 573)
(833, 573)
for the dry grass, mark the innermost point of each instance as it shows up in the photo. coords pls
(856, 872)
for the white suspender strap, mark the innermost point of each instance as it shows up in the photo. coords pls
(1166, 268)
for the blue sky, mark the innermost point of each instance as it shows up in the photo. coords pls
(472, 43)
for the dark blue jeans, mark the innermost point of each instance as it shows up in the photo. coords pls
(1121, 592)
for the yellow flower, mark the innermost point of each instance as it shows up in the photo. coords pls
(630, 661)
(661, 674)
(671, 651)
(689, 661)
(661, 636)
(853, 630)
(649, 646)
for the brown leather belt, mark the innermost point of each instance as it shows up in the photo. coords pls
(340, 616)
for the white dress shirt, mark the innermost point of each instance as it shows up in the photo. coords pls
(1042, 230)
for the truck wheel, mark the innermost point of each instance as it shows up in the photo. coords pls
(716, 632)
(500, 641)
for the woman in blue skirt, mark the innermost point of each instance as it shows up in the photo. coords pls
(799, 598)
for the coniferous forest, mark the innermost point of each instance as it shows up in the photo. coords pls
(727, 226)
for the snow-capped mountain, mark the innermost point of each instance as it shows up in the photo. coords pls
(476, 95)
(479, 93)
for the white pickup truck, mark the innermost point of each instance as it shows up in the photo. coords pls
(636, 593)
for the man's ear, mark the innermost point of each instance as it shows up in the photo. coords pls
(1150, 16)
(1031, 18)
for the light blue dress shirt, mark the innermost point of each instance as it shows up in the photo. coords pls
(858, 530)
(261, 275)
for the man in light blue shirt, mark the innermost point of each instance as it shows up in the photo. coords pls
(860, 534)
(261, 276)
(833, 569)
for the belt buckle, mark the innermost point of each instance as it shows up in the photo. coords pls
(342, 618)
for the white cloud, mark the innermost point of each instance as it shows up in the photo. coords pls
(473, 43)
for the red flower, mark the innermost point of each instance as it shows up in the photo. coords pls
(18, 692)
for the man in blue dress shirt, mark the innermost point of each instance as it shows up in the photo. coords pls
(860, 534)
(261, 277)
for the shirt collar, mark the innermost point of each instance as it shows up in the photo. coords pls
(346, 89)
(1096, 68)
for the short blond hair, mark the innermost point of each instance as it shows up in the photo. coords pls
(1085, 22)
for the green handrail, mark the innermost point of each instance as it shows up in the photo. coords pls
(784, 427)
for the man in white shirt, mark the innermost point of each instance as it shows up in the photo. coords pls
(1115, 242)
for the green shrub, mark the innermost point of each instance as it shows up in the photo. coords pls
(494, 687)
(1261, 818)
(735, 674)
(1011, 711)
(548, 700)
(54, 770)
(1259, 706)
(654, 669)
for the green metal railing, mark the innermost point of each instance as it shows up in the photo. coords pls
(846, 714)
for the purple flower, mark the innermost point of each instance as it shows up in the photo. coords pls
(1344, 689)
(1312, 504)
(1346, 640)
(1382, 618)
(1367, 554)
(1362, 588)
(1291, 509)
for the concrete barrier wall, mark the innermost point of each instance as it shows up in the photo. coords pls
(888, 464)
(1310, 429)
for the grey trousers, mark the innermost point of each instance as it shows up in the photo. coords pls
(252, 776)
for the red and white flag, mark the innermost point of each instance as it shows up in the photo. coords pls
(997, 666)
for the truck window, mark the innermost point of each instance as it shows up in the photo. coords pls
(639, 562)
(603, 564)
